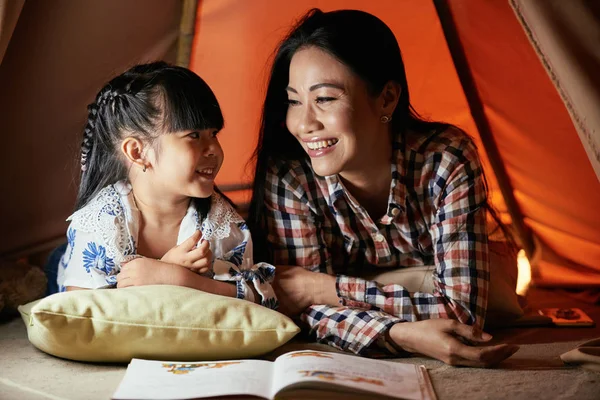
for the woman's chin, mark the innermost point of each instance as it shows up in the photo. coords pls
(323, 168)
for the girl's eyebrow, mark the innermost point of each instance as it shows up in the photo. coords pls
(317, 86)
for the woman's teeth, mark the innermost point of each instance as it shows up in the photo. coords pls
(206, 171)
(321, 144)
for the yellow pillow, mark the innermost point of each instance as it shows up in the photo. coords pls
(153, 322)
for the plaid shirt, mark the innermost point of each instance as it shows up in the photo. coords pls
(434, 218)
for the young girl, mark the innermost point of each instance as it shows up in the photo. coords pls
(147, 209)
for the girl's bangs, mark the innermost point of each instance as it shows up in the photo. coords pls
(190, 105)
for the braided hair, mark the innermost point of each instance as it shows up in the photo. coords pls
(143, 102)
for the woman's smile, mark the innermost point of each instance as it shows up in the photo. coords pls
(320, 146)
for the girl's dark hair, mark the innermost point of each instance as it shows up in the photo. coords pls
(144, 102)
(368, 47)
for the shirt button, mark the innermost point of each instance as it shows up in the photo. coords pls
(395, 211)
(379, 238)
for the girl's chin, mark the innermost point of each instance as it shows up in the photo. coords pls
(204, 191)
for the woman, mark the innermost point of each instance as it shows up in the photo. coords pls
(349, 180)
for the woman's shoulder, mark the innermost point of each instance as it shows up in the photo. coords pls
(444, 142)
(296, 175)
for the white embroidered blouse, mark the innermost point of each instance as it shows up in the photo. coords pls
(103, 234)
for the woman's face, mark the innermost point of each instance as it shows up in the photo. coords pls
(332, 114)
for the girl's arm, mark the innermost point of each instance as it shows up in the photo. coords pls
(86, 263)
(143, 271)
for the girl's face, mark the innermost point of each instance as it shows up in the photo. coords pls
(187, 162)
(331, 113)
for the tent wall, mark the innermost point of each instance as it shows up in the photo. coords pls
(553, 178)
(61, 52)
(554, 183)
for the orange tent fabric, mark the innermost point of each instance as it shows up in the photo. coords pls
(553, 180)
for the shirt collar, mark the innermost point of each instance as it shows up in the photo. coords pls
(397, 195)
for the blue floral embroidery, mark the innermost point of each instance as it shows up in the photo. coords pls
(236, 256)
(111, 280)
(271, 303)
(94, 257)
(243, 226)
(70, 248)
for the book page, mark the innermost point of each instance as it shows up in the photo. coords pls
(161, 380)
(301, 368)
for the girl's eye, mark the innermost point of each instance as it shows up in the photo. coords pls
(321, 100)
(194, 135)
(215, 133)
(293, 103)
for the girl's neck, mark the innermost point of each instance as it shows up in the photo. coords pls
(157, 209)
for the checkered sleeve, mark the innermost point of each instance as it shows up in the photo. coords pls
(459, 239)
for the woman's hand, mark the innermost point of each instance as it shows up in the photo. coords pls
(187, 255)
(147, 271)
(441, 339)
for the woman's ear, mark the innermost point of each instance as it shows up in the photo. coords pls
(133, 150)
(389, 97)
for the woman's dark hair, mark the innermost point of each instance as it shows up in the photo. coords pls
(368, 47)
(144, 102)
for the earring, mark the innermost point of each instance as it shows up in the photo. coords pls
(385, 119)
(144, 170)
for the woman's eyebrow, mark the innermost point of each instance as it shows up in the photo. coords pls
(317, 86)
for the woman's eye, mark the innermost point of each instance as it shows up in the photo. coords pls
(293, 103)
(194, 135)
(214, 134)
(321, 100)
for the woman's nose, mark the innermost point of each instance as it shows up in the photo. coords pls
(308, 121)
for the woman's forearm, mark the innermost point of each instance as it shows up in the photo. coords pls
(324, 291)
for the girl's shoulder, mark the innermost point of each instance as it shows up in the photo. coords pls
(222, 212)
(105, 208)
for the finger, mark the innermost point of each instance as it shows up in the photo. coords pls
(200, 252)
(201, 263)
(487, 356)
(122, 280)
(469, 332)
(191, 242)
(201, 270)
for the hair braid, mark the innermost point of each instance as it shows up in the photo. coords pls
(108, 96)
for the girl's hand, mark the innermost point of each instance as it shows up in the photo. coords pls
(187, 255)
(442, 339)
(147, 271)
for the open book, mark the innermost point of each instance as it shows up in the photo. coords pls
(303, 374)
